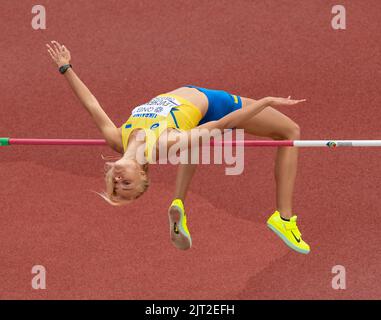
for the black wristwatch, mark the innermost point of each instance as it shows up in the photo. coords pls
(64, 68)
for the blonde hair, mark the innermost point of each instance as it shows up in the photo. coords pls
(109, 196)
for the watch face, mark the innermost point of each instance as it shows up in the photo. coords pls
(63, 69)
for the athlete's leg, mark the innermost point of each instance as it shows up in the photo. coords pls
(179, 232)
(184, 177)
(273, 124)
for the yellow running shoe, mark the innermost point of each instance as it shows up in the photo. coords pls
(178, 229)
(288, 231)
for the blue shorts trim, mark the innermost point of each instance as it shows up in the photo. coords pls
(221, 103)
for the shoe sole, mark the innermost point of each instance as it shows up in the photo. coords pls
(180, 239)
(286, 241)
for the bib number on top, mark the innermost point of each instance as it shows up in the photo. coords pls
(159, 106)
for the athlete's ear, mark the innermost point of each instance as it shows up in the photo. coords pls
(144, 170)
(108, 166)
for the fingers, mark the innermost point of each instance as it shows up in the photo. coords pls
(59, 54)
(53, 57)
(49, 47)
(297, 101)
(286, 101)
(289, 101)
(56, 43)
(57, 46)
(51, 51)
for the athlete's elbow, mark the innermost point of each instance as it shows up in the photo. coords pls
(91, 104)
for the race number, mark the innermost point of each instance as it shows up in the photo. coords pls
(159, 106)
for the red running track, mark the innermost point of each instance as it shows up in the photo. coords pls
(129, 51)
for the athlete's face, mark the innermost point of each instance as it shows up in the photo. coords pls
(127, 178)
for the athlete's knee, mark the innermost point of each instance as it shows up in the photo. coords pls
(292, 132)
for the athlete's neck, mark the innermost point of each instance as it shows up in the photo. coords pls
(135, 144)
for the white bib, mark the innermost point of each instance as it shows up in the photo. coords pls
(159, 106)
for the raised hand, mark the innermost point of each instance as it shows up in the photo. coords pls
(283, 101)
(60, 55)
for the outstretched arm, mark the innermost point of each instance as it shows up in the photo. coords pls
(61, 56)
(232, 120)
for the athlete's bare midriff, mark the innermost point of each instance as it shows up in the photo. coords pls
(194, 96)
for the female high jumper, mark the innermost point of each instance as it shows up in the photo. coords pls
(199, 108)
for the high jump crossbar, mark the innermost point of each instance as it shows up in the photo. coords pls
(245, 143)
